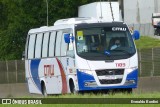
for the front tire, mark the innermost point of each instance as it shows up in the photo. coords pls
(128, 91)
(44, 92)
(72, 87)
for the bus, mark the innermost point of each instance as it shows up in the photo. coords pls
(81, 54)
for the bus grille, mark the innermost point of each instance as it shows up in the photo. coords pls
(115, 81)
(110, 76)
(110, 72)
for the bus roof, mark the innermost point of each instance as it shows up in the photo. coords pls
(69, 23)
(49, 28)
(76, 20)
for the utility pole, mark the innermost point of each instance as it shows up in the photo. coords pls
(47, 11)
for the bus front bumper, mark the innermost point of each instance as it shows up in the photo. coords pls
(87, 82)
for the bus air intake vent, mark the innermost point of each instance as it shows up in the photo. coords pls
(110, 76)
(110, 72)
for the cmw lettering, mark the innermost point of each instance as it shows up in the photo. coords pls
(118, 29)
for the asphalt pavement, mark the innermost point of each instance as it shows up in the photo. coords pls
(155, 36)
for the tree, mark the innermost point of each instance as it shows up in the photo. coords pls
(18, 16)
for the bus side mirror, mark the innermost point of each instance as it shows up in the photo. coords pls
(136, 35)
(67, 38)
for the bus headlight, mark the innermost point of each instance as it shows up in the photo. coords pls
(90, 72)
(90, 84)
(129, 70)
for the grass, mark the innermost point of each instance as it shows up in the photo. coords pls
(118, 95)
(147, 42)
(102, 95)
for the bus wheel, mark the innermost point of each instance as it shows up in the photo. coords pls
(72, 86)
(128, 91)
(44, 92)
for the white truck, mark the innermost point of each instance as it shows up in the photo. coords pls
(156, 23)
(104, 11)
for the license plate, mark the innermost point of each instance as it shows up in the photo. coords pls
(110, 77)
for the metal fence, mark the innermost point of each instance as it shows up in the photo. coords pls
(149, 65)
(12, 71)
(149, 62)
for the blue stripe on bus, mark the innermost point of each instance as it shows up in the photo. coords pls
(34, 72)
(82, 77)
(133, 75)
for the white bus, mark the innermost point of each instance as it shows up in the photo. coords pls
(80, 54)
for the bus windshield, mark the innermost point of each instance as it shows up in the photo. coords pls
(104, 43)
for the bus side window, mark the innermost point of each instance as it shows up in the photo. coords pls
(63, 46)
(70, 47)
(58, 43)
(52, 44)
(31, 46)
(38, 45)
(45, 45)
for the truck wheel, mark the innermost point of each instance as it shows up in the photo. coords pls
(155, 33)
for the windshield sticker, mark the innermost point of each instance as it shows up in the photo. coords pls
(80, 35)
(118, 29)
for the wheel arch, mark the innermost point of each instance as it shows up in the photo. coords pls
(42, 85)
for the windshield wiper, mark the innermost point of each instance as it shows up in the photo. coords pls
(92, 54)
